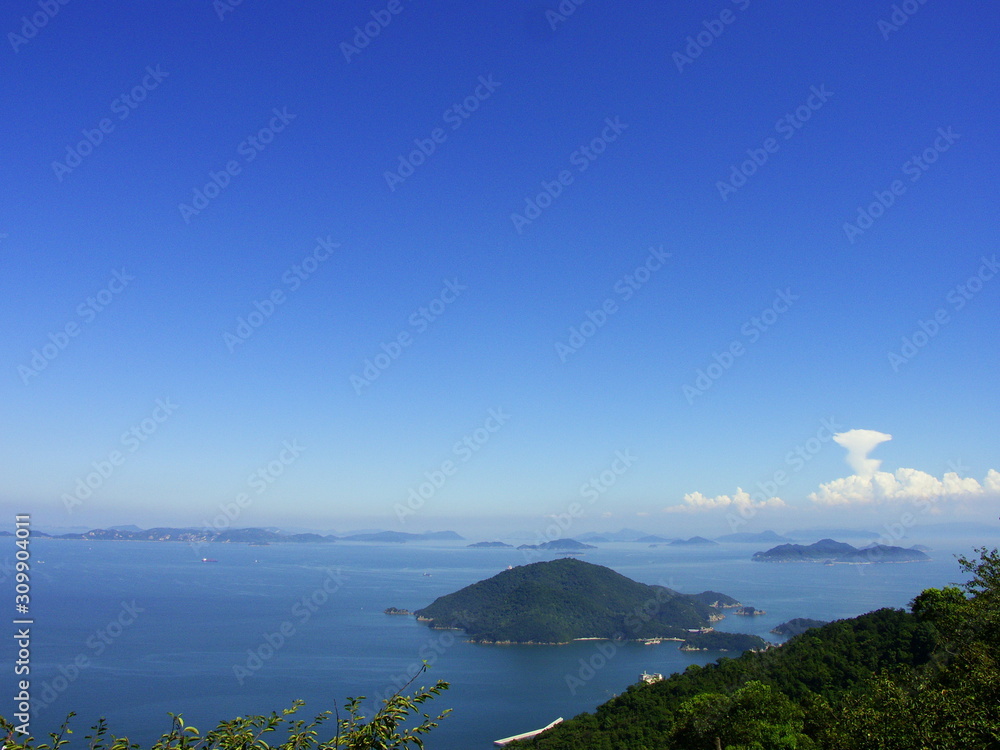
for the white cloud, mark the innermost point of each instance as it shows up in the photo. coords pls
(695, 501)
(906, 485)
(859, 443)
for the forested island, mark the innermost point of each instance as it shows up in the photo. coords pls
(559, 545)
(828, 550)
(561, 600)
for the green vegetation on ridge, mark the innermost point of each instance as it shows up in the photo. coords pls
(888, 680)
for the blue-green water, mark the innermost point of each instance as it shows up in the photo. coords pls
(191, 623)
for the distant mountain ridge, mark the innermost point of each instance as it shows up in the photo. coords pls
(250, 535)
(403, 536)
(761, 537)
(622, 535)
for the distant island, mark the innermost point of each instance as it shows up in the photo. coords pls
(403, 536)
(797, 626)
(395, 611)
(255, 536)
(560, 545)
(653, 538)
(748, 537)
(562, 600)
(491, 545)
(828, 550)
(622, 535)
(693, 541)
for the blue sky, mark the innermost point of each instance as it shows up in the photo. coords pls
(244, 151)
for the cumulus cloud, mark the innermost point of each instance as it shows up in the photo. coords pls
(905, 485)
(695, 501)
(859, 443)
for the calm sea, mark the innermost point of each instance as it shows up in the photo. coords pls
(160, 631)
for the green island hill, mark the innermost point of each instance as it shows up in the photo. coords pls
(558, 601)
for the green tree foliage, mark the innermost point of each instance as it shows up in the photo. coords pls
(755, 716)
(385, 730)
(928, 679)
(955, 701)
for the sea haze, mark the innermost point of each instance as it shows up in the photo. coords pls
(192, 622)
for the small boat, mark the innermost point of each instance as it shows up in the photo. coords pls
(209, 559)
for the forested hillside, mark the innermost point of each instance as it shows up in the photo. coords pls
(926, 678)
